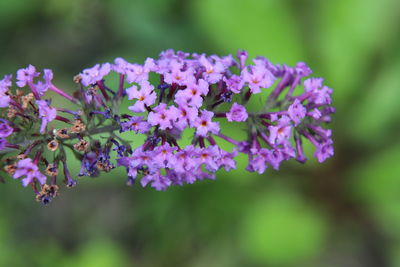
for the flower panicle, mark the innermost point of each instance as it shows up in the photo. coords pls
(191, 91)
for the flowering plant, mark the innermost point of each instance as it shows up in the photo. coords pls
(192, 92)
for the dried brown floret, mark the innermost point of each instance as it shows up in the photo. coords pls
(82, 145)
(52, 145)
(78, 126)
(62, 133)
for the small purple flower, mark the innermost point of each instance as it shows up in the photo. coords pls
(312, 84)
(213, 72)
(183, 161)
(5, 129)
(234, 83)
(29, 169)
(46, 113)
(4, 101)
(26, 76)
(315, 113)
(275, 157)
(302, 69)
(5, 85)
(139, 73)
(258, 77)
(204, 125)
(145, 96)
(177, 75)
(185, 116)
(162, 154)
(140, 158)
(158, 181)
(242, 56)
(323, 133)
(137, 124)
(120, 65)
(324, 150)
(96, 73)
(42, 87)
(237, 113)
(162, 116)
(318, 94)
(227, 61)
(280, 133)
(209, 157)
(296, 112)
(226, 159)
(258, 160)
(192, 95)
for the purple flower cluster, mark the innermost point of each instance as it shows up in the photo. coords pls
(169, 97)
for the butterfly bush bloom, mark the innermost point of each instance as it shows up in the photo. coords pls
(5, 129)
(237, 113)
(145, 96)
(5, 84)
(46, 113)
(96, 73)
(29, 169)
(177, 96)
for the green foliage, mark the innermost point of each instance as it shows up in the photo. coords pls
(349, 35)
(280, 228)
(377, 184)
(261, 27)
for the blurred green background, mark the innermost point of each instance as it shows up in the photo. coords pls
(344, 212)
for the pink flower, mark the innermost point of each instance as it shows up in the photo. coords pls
(204, 124)
(213, 72)
(5, 129)
(5, 85)
(280, 133)
(27, 168)
(258, 77)
(46, 113)
(237, 113)
(157, 181)
(177, 75)
(162, 116)
(183, 160)
(192, 95)
(320, 95)
(136, 124)
(296, 112)
(209, 157)
(258, 160)
(145, 96)
(26, 76)
(42, 87)
(162, 154)
(96, 73)
(226, 159)
(234, 83)
(185, 116)
(324, 150)
(138, 73)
